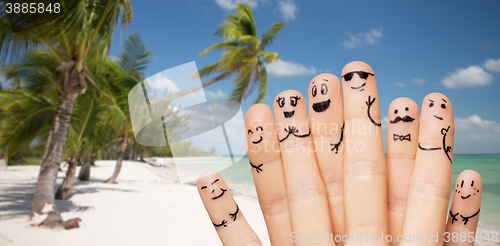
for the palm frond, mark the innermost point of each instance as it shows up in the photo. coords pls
(208, 70)
(218, 46)
(262, 85)
(133, 57)
(22, 120)
(271, 33)
(269, 57)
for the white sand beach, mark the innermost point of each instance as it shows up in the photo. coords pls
(141, 208)
(146, 206)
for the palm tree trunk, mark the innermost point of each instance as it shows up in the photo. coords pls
(44, 191)
(142, 154)
(195, 88)
(84, 174)
(67, 185)
(121, 151)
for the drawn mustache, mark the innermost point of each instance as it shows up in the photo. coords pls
(406, 118)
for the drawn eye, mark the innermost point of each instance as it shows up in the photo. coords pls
(472, 183)
(324, 89)
(281, 101)
(348, 76)
(203, 187)
(406, 109)
(314, 91)
(443, 106)
(293, 100)
(431, 105)
(250, 131)
(259, 127)
(363, 75)
(395, 111)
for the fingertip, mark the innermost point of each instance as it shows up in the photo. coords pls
(404, 104)
(470, 175)
(257, 110)
(356, 66)
(204, 178)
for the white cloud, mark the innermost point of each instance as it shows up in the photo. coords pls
(231, 4)
(400, 85)
(468, 77)
(492, 65)
(370, 38)
(283, 69)
(418, 81)
(216, 94)
(475, 135)
(288, 9)
(160, 82)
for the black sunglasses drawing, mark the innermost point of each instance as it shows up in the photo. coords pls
(361, 74)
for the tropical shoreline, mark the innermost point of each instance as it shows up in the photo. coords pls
(146, 206)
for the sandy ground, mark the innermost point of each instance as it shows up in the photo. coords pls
(146, 206)
(141, 208)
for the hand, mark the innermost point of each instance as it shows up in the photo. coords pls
(327, 182)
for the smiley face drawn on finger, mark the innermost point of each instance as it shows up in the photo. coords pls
(216, 195)
(466, 189)
(293, 103)
(362, 75)
(398, 118)
(443, 106)
(469, 190)
(257, 129)
(439, 110)
(405, 119)
(323, 105)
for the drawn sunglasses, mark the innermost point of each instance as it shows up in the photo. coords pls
(361, 74)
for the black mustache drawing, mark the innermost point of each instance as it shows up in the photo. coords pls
(321, 106)
(292, 130)
(288, 114)
(406, 118)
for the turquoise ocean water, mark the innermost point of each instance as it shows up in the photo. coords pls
(239, 177)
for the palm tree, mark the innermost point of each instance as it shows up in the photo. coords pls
(125, 73)
(244, 56)
(70, 39)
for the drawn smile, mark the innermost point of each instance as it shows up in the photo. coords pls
(440, 118)
(222, 193)
(359, 87)
(321, 106)
(465, 197)
(258, 141)
(288, 114)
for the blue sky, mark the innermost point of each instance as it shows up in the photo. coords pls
(452, 47)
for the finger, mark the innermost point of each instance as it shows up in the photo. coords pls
(365, 172)
(402, 137)
(464, 212)
(267, 170)
(429, 192)
(223, 211)
(326, 116)
(306, 193)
